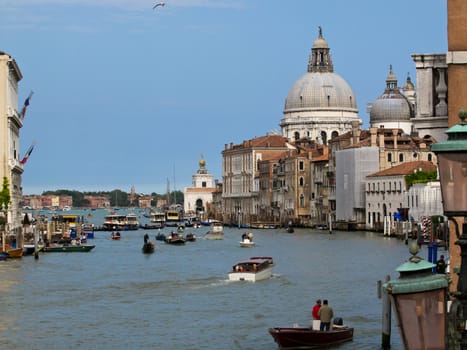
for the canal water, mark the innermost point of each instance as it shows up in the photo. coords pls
(114, 297)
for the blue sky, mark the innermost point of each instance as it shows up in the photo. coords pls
(125, 95)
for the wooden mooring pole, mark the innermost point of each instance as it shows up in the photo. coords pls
(386, 315)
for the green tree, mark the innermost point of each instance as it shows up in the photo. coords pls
(420, 177)
(5, 199)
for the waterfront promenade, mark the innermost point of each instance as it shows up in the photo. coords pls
(179, 297)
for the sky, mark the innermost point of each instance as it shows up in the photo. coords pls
(127, 95)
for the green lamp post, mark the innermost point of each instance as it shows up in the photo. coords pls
(452, 169)
(419, 298)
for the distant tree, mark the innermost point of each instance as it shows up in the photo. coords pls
(420, 177)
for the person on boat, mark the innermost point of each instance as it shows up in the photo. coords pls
(441, 265)
(244, 236)
(315, 310)
(146, 238)
(325, 314)
(118, 234)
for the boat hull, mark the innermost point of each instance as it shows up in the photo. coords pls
(214, 235)
(68, 249)
(306, 338)
(247, 243)
(148, 248)
(12, 252)
(251, 276)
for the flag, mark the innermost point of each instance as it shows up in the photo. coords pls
(28, 153)
(26, 104)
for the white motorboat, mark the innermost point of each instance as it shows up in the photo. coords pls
(247, 240)
(253, 269)
(216, 231)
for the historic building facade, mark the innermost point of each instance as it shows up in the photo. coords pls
(313, 185)
(385, 191)
(240, 176)
(10, 125)
(198, 197)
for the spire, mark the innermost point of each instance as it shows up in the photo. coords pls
(320, 59)
(391, 81)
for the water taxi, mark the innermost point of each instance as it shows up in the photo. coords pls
(256, 268)
(216, 231)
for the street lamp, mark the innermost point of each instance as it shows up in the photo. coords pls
(452, 168)
(419, 299)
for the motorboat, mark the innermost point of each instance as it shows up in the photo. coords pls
(116, 236)
(190, 237)
(254, 269)
(308, 338)
(160, 236)
(175, 238)
(247, 240)
(216, 230)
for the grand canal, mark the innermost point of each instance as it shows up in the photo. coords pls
(179, 297)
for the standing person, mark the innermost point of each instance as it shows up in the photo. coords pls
(441, 265)
(315, 310)
(315, 315)
(325, 315)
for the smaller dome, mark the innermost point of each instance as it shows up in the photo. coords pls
(408, 84)
(391, 106)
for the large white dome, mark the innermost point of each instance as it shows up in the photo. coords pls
(320, 105)
(320, 91)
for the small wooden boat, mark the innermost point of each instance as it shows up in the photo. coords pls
(148, 246)
(68, 248)
(307, 338)
(254, 269)
(12, 251)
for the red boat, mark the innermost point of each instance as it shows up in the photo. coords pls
(306, 338)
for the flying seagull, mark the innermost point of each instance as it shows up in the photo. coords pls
(158, 4)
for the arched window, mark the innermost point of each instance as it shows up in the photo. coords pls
(389, 157)
(430, 157)
(300, 181)
(401, 157)
(296, 135)
(334, 134)
(324, 137)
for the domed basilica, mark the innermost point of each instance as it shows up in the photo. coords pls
(320, 105)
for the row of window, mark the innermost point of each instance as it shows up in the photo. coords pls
(384, 186)
(401, 157)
